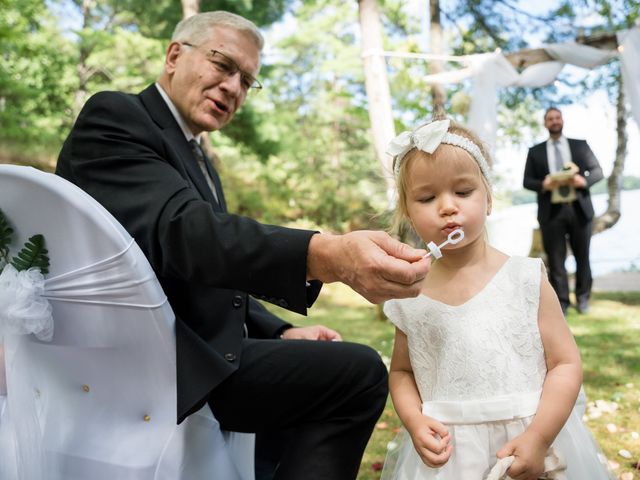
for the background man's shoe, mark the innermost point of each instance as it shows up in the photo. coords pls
(583, 307)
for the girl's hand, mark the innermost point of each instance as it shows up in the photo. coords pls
(431, 441)
(529, 450)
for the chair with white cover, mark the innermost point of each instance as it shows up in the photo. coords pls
(98, 401)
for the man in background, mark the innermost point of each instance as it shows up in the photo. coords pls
(567, 214)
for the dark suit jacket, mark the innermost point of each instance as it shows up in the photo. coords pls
(537, 167)
(128, 152)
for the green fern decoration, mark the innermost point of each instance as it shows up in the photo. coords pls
(33, 254)
(5, 238)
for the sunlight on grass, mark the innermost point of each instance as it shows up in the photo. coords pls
(608, 338)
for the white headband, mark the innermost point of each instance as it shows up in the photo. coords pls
(428, 137)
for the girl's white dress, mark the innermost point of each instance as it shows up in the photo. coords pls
(479, 368)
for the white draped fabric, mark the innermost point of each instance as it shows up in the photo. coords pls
(492, 71)
(99, 400)
(630, 66)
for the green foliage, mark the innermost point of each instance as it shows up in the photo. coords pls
(522, 196)
(245, 130)
(300, 151)
(34, 100)
(33, 254)
(630, 183)
(158, 22)
(121, 60)
(261, 12)
(307, 160)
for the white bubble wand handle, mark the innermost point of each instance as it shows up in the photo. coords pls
(454, 237)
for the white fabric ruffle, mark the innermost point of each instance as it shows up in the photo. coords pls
(23, 309)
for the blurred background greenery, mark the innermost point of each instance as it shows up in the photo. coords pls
(301, 151)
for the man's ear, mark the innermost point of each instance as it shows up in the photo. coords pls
(171, 59)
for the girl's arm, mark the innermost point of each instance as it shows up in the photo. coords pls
(559, 392)
(430, 437)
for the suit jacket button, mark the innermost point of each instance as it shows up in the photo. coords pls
(237, 301)
(229, 357)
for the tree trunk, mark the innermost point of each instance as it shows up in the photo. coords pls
(190, 8)
(82, 69)
(614, 183)
(438, 93)
(377, 88)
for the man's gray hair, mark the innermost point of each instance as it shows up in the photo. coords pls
(197, 28)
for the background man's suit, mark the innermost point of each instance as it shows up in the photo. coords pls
(129, 153)
(561, 221)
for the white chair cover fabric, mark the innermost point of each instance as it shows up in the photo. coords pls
(99, 400)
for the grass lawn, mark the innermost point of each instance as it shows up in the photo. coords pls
(608, 338)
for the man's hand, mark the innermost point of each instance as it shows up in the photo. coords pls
(548, 183)
(579, 181)
(316, 332)
(372, 263)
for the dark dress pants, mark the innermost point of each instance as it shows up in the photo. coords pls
(568, 225)
(324, 396)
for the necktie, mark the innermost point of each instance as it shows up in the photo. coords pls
(201, 158)
(558, 155)
(564, 189)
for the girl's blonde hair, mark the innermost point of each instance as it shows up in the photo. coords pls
(400, 220)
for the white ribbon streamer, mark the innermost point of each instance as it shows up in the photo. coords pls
(554, 467)
(108, 282)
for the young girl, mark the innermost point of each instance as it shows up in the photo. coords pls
(485, 371)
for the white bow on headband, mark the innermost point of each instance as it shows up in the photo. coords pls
(427, 138)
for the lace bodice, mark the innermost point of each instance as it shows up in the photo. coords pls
(488, 346)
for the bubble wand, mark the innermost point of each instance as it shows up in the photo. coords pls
(454, 237)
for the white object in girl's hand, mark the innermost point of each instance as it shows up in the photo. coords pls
(453, 238)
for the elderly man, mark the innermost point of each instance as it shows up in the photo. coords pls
(139, 156)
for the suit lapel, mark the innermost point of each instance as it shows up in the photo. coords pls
(544, 158)
(186, 162)
(573, 149)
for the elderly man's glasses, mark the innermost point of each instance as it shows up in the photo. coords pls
(228, 67)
